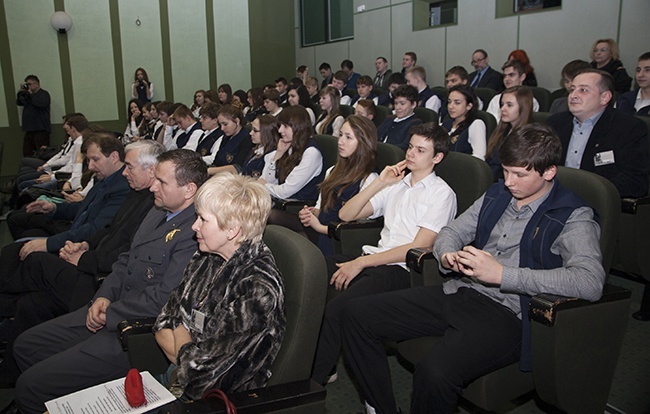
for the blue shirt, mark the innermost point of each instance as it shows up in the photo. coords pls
(579, 138)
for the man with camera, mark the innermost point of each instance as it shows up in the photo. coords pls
(36, 115)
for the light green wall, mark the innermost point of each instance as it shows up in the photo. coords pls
(232, 43)
(4, 115)
(189, 48)
(184, 45)
(93, 73)
(141, 45)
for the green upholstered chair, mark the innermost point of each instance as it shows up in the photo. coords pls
(543, 97)
(490, 123)
(426, 114)
(442, 93)
(575, 343)
(632, 260)
(541, 117)
(381, 113)
(290, 389)
(486, 95)
(346, 110)
(559, 93)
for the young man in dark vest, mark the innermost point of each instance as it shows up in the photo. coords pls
(499, 263)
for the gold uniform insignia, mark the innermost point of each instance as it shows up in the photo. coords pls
(171, 234)
(204, 152)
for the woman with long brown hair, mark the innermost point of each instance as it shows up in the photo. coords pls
(295, 168)
(330, 120)
(353, 171)
(516, 110)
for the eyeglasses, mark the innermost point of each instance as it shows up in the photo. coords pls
(604, 49)
(474, 62)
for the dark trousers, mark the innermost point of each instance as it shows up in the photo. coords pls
(477, 336)
(34, 140)
(53, 363)
(43, 288)
(24, 224)
(369, 281)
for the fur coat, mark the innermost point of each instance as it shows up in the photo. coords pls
(243, 304)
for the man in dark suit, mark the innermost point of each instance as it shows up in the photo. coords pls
(81, 349)
(52, 224)
(484, 76)
(57, 284)
(600, 139)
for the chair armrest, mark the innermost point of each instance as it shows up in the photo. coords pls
(415, 258)
(292, 205)
(349, 237)
(544, 307)
(127, 328)
(630, 205)
(334, 228)
(424, 268)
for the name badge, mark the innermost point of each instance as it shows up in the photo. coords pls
(604, 158)
(198, 319)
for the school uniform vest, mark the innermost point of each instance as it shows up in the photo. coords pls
(332, 214)
(424, 96)
(184, 137)
(229, 148)
(310, 190)
(397, 133)
(459, 140)
(535, 248)
(253, 166)
(142, 93)
(204, 147)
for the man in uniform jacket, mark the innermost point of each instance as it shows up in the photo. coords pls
(81, 349)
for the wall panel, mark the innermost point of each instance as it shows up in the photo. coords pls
(232, 43)
(141, 45)
(189, 48)
(4, 115)
(371, 42)
(93, 73)
(635, 32)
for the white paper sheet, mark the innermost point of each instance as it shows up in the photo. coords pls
(109, 398)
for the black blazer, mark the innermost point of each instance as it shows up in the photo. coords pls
(491, 79)
(615, 131)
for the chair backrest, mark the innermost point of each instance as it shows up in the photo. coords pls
(559, 93)
(486, 95)
(541, 117)
(346, 110)
(381, 114)
(490, 122)
(426, 114)
(442, 93)
(317, 110)
(328, 146)
(601, 195)
(543, 97)
(468, 176)
(388, 154)
(305, 287)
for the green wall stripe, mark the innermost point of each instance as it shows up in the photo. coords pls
(66, 66)
(7, 70)
(620, 16)
(212, 48)
(166, 51)
(120, 81)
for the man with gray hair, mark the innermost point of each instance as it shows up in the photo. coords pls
(55, 285)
